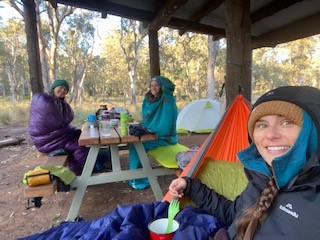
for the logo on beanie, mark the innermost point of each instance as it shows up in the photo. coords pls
(270, 93)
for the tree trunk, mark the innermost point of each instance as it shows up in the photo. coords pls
(213, 47)
(132, 57)
(11, 77)
(198, 88)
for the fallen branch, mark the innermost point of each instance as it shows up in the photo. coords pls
(11, 141)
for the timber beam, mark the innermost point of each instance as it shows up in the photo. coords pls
(271, 9)
(204, 11)
(288, 33)
(166, 13)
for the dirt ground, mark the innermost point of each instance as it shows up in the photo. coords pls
(17, 221)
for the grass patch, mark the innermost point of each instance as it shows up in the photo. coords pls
(14, 115)
(19, 114)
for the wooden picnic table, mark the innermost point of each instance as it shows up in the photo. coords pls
(93, 140)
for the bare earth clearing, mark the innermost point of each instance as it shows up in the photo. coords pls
(16, 221)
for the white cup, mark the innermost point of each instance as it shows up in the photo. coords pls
(157, 229)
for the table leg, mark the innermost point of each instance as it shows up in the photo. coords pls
(115, 158)
(81, 182)
(148, 170)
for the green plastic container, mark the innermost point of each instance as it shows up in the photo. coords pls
(123, 123)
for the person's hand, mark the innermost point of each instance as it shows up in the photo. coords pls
(177, 186)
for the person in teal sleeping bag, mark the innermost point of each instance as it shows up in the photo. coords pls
(159, 115)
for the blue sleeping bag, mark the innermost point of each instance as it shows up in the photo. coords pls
(131, 222)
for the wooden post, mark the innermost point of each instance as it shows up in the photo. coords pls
(239, 53)
(154, 53)
(32, 46)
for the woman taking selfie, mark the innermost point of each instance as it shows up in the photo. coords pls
(282, 198)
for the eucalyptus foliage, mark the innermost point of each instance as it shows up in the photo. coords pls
(120, 71)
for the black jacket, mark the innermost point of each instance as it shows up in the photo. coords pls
(295, 212)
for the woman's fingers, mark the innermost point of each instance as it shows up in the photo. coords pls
(177, 186)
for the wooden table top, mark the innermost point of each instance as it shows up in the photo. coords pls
(130, 138)
(114, 138)
(93, 138)
(87, 139)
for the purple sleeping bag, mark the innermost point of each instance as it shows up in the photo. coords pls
(50, 129)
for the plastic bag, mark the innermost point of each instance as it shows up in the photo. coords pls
(183, 158)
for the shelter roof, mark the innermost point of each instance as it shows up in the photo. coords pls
(272, 21)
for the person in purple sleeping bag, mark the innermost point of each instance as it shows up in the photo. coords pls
(50, 129)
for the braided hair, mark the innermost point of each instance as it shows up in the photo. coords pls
(249, 221)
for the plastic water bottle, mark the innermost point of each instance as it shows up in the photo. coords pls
(112, 112)
(105, 124)
(92, 132)
(102, 108)
(105, 130)
(105, 115)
